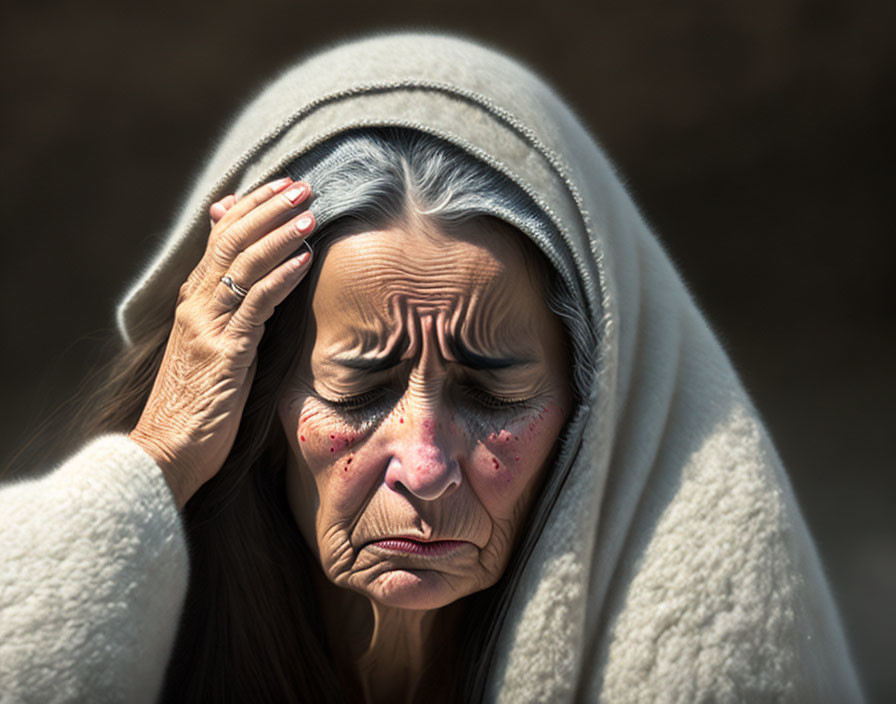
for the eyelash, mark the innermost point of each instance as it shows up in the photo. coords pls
(360, 402)
(492, 402)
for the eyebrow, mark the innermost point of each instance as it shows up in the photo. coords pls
(478, 362)
(373, 364)
(463, 355)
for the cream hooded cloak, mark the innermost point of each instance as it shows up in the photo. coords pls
(673, 564)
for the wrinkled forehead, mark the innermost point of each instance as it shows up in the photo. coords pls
(477, 281)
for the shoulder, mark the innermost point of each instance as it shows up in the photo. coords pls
(93, 571)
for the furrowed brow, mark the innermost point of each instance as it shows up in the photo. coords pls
(372, 364)
(478, 362)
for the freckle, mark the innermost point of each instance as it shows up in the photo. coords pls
(332, 449)
(349, 460)
(302, 438)
(516, 437)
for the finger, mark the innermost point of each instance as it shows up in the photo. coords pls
(229, 294)
(263, 256)
(266, 294)
(218, 209)
(252, 200)
(228, 240)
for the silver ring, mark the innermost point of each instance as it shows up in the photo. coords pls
(228, 281)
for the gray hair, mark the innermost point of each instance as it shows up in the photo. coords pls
(386, 175)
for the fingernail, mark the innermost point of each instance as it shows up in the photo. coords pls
(305, 222)
(294, 195)
(280, 184)
(216, 211)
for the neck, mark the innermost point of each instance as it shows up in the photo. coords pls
(393, 655)
(391, 668)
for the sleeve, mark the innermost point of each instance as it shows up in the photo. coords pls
(93, 573)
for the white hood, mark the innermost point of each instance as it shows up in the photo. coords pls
(674, 564)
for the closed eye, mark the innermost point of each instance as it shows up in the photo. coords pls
(491, 401)
(357, 401)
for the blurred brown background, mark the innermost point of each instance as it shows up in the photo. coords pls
(756, 136)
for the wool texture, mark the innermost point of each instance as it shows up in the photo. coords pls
(93, 572)
(674, 565)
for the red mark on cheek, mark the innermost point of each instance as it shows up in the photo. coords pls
(340, 441)
(401, 420)
(496, 463)
(302, 438)
(347, 463)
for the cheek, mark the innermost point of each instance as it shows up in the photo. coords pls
(321, 439)
(509, 460)
(327, 447)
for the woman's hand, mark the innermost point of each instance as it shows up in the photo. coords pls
(191, 417)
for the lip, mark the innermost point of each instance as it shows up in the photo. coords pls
(418, 548)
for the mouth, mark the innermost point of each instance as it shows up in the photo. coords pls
(421, 548)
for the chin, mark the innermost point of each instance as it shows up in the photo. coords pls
(414, 589)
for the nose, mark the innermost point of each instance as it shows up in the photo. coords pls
(426, 446)
(423, 462)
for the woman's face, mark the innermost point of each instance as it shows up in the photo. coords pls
(431, 387)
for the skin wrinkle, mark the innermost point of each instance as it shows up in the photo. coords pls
(430, 457)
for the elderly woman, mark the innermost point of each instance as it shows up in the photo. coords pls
(433, 417)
